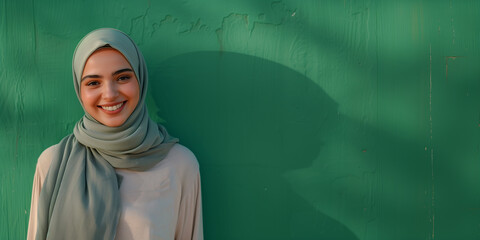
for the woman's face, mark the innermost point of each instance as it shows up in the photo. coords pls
(109, 88)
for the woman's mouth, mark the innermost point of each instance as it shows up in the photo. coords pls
(113, 108)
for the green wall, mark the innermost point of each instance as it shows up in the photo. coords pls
(324, 119)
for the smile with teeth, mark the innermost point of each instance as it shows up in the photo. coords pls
(112, 108)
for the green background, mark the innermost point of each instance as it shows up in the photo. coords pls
(335, 119)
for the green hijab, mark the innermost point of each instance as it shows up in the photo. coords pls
(80, 196)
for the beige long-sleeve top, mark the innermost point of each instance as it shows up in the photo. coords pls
(161, 203)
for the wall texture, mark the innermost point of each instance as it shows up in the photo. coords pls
(353, 119)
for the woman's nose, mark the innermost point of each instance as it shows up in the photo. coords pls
(110, 91)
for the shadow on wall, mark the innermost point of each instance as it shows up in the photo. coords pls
(249, 121)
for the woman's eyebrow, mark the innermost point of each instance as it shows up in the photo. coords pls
(113, 74)
(122, 70)
(90, 76)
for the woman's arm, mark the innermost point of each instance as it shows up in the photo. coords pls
(40, 172)
(198, 222)
(190, 220)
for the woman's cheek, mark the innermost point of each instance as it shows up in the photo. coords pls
(88, 96)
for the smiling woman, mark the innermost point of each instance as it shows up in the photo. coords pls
(119, 175)
(109, 88)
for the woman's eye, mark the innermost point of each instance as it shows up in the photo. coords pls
(92, 83)
(124, 78)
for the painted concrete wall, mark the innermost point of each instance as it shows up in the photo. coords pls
(319, 119)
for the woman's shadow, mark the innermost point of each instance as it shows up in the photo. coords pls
(249, 121)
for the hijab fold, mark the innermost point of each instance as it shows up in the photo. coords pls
(80, 197)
